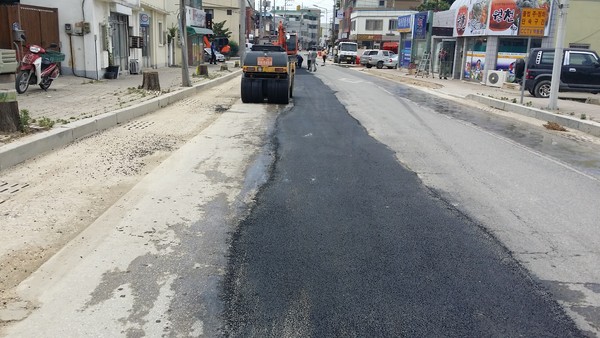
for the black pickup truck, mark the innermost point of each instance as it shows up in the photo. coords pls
(580, 71)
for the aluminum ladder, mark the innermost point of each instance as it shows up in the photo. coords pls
(423, 69)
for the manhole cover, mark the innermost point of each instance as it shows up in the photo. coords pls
(7, 190)
(138, 125)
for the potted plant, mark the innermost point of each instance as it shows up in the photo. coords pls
(112, 71)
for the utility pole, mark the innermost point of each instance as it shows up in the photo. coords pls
(260, 20)
(334, 16)
(185, 72)
(242, 38)
(558, 55)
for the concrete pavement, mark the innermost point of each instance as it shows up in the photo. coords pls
(82, 106)
(573, 112)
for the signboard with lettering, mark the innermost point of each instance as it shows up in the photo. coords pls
(404, 23)
(195, 17)
(501, 18)
(533, 22)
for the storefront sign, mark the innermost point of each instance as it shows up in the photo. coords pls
(500, 17)
(406, 53)
(195, 17)
(404, 25)
(368, 37)
(533, 22)
(144, 20)
(420, 29)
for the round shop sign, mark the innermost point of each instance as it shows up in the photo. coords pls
(144, 20)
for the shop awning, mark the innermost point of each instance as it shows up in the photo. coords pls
(199, 31)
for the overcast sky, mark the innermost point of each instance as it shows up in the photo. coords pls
(327, 4)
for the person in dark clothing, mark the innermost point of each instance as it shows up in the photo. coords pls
(443, 56)
(299, 60)
(213, 56)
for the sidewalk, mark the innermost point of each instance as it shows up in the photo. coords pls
(73, 98)
(82, 106)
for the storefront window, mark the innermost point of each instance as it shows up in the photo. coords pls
(475, 61)
(511, 49)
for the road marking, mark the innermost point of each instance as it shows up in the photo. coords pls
(353, 80)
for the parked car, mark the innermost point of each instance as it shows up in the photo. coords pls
(364, 57)
(376, 59)
(392, 61)
(220, 57)
(580, 71)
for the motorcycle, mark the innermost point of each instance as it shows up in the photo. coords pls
(38, 66)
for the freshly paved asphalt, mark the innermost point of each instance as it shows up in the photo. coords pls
(333, 248)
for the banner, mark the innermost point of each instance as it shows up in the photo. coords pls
(495, 17)
(474, 66)
(404, 25)
(420, 29)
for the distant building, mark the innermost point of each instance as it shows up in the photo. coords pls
(304, 21)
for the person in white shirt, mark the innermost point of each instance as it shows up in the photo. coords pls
(312, 56)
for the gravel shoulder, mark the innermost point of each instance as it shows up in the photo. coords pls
(54, 197)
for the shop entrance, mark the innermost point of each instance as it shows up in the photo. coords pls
(449, 45)
(119, 35)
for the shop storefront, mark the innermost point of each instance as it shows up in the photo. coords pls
(490, 35)
(442, 28)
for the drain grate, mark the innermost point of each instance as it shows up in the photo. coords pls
(138, 125)
(10, 189)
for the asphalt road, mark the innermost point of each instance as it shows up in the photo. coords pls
(345, 241)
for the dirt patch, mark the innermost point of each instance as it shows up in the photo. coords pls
(554, 126)
(398, 76)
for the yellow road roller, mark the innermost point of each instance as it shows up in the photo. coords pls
(268, 73)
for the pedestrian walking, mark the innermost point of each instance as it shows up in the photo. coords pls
(312, 56)
(324, 56)
(213, 55)
(443, 58)
(299, 60)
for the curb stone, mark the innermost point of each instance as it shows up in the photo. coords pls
(585, 126)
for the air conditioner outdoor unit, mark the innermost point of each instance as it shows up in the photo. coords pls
(495, 78)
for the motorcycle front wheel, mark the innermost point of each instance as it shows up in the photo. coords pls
(46, 82)
(22, 82)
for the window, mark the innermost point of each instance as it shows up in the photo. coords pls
(161, 34)
(393, 24)
(581, 59)
(545, 58)
(579, 45)
(353, 25)
(229, 12)
(374, 25)
(381, 3)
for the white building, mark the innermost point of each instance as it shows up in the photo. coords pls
(134, 34)
(371, 28)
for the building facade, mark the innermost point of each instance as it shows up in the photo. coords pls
(305, 22)
(128, 34)
(582, 31)
(370, 29)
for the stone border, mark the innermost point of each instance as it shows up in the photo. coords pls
(585, 126)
